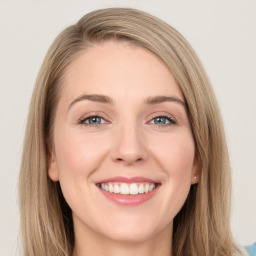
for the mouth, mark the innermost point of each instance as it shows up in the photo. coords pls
(128, 188)
(128, 191)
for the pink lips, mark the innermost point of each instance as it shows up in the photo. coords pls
(129, 200)
(128, 180)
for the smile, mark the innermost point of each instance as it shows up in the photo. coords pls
(128, 191)
(128, 188)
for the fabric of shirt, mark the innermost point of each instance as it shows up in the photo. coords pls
(251, 249)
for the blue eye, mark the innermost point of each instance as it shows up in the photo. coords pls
(94, 120)
(162, 120)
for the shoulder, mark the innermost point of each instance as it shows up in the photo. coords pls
(251, 249)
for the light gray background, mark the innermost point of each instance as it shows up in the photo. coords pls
(222, 32)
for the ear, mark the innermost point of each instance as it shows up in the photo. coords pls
(195, 174)
(53, 171)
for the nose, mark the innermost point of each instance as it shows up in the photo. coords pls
(129, 146)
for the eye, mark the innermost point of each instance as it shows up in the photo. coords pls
(93, 120)
(162, 120)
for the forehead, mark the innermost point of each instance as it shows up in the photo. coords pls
(119, 68)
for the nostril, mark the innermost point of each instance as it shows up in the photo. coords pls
(129, 160)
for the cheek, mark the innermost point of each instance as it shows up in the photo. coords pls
(78, 153)
(179, 164)
(175, 153)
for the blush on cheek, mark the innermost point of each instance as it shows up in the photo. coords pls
(179, 157)
(80, 152)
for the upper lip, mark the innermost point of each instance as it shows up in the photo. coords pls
(128, 180)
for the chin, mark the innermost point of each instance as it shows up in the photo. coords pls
(131, 230)
(130, 236)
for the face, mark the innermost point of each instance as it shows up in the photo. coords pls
(123, 148)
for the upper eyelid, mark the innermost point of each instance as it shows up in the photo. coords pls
(82, 121)
(162, 114)
(94, 114)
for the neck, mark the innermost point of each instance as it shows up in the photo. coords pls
(90, 243)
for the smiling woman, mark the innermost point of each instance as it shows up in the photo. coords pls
(124, 148)
(122, 137)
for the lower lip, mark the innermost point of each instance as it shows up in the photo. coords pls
(129, 200)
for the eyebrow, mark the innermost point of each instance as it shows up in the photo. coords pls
(107, 100)
(162, 99)
(92, 97)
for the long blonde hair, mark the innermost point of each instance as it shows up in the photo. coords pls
(202, 227)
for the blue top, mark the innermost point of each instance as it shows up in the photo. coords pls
(251, 249)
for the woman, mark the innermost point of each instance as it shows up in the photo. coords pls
(124, 151)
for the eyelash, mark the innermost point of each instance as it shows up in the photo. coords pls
(170, 119)
(84, 119)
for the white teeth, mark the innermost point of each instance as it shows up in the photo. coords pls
(134, 189)
(151, 187)
(126, 188)
(110, 188)
(116, 189)
(141, 189)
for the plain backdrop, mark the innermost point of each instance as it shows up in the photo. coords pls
(223, 33)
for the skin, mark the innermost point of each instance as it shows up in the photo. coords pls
(126, 142)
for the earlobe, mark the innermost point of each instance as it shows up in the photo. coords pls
(53, 171)
(195, 174)
(195, 178)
